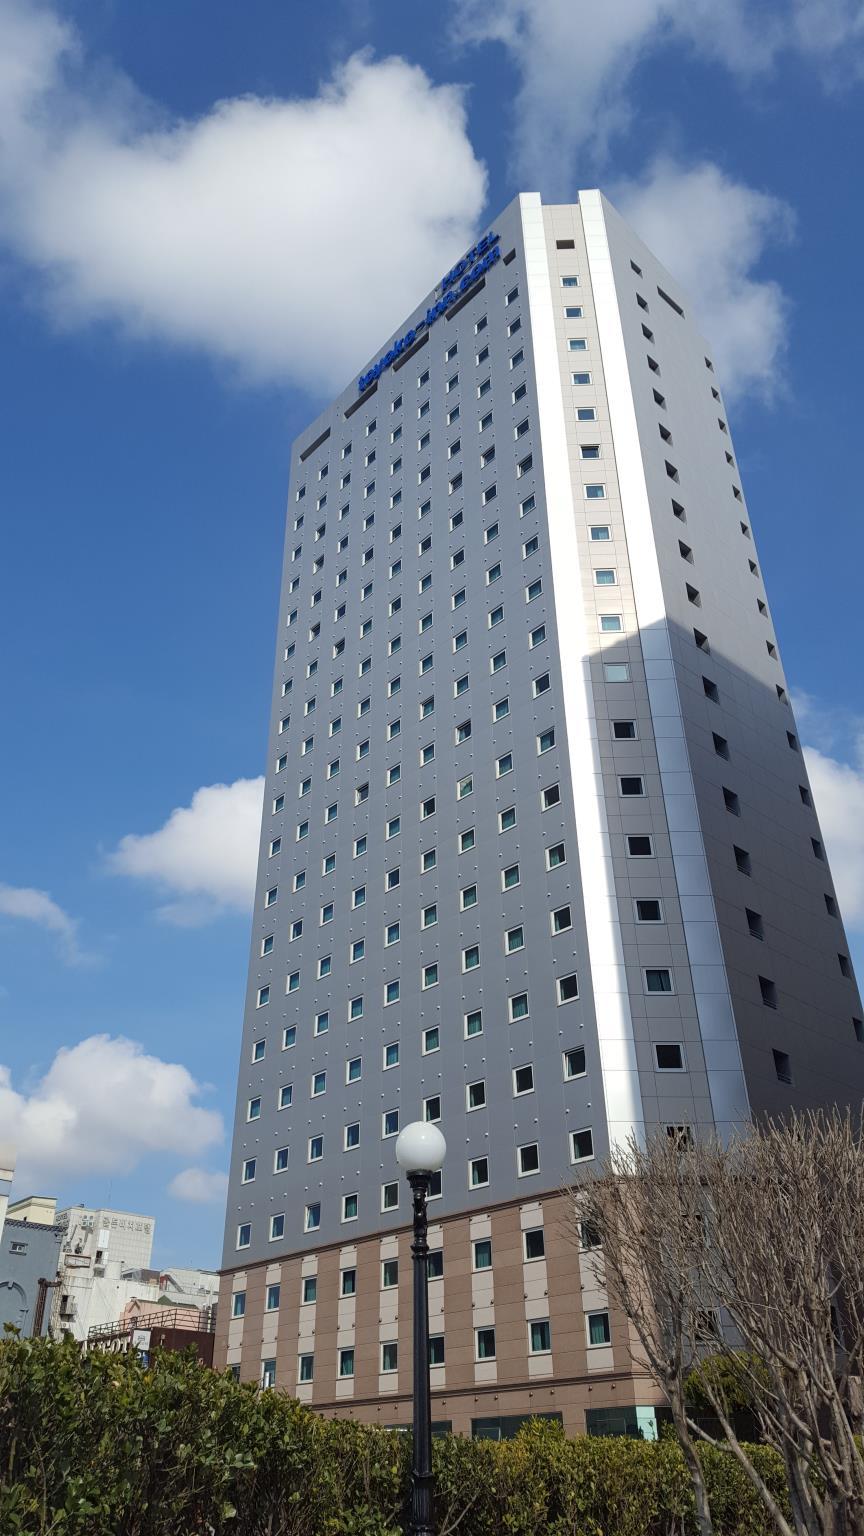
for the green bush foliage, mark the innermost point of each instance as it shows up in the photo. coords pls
(97, 1445)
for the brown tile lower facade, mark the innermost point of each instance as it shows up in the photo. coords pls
(520, 1324)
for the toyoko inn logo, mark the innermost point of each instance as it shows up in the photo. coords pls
(457, 281)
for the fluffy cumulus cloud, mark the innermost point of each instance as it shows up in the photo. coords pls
(574, 65)
(28, 905)
(204, 857)
(575, 61)
(231, 233)
(711, 232)
(102, 1106)
(199, 1186)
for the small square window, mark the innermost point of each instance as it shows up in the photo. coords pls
(658, 980)
(507, 819)
(669, 1056)
(478, 1173)
(389, 1197)
(523, 1080)
(473, 1023)
(581, 1145)
(528, 1159)
(568, 988)
(574, 1063)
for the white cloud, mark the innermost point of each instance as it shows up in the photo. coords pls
(205, 855)
(574, 65)
(575, 61)
(32, 906)
(102, 1106)
(259, 232)
(838, 794)
(199, 1186)
(711, 232)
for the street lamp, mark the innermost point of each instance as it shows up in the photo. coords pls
(420, 1151)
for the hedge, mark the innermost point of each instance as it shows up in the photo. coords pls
(97, 1445)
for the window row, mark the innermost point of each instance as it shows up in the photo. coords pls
(539, 1342)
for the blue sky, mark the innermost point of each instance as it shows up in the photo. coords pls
(210, 215)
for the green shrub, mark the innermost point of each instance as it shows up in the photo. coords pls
(97, 1445)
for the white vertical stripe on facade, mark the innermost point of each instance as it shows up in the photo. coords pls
(621, 1093)
(723, 1064)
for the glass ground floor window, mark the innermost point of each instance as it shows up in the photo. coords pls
(507, 1426)
(638, 1423)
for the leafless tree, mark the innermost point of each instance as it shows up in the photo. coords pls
(785, 1262)
(753, 1253)
(645, 1209)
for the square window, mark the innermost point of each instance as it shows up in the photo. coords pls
(389, 1273)
(658, 979)
(351, 1136)
(484, 1343)
(631, 785)
(473, 1024)
(568, 988)
(430, 976)
(528, 1159)
(466, 840)
(431, 1040)
(306, 1364)
(507, 819)
(286, 1094)
(574, 1063)
(523, 1080)
(540, 1337)
(346, 1362)
(514, 940)
(561, 919)
(475, 1095)
(432, 1108)
(470, 958)
(391, 1055)
(599, 1331)
(481, 1256)
(238, 1302)
(478, 1173)
(581, 1145)
(389, 1197)
(648, 910)
(669, 1056)
(390, 1123)
(550, 797)
(518, 1007)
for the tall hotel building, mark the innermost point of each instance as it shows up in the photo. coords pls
(539, 858)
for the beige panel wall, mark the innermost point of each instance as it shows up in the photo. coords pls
(560, 1286)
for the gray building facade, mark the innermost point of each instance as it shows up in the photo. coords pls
(29, 1252)
(539, 857)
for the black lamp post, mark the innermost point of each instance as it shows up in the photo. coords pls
(420, 1150)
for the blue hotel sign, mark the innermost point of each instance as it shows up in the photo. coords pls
(457, 281)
